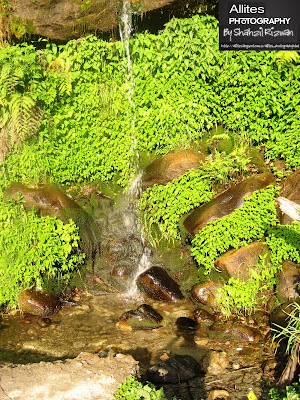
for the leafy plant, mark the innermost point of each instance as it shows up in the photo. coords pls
(243, 297)
(284, 243)
(131, 389)
(243, 226)
(165, 205)
(291, 392)
(34, 249)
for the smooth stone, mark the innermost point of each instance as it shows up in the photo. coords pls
(144, 317)
(280, 316)
(38, 303)
(215, 363)
(243, 332)
(158, 284)
(202, 316)
(185, 323)
(288, 279)
(226, 202)
(237, 263)
(48, 200)
(206, 293)
(164, 169)
(179, 368)
(291, 191)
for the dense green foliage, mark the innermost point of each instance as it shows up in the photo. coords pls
(291, 392)
(32, 250)
(284, 243)
(240, 297)
(131, 389)
(243, 226)
(183, 86)
(164, 205)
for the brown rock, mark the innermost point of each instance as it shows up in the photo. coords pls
(206, 293)
(67, 19)
(226, 202)
(215, 363)
(157, 284)
(237, 263)
(238, 331)
(202, 316)
(162, 170)
(35, 302)
(288, 280)
(280, 316)
(290, 191)
(144, 317)
(48, 200)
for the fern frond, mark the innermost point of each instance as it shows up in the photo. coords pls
(284, 58)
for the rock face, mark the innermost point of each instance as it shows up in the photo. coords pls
(49, 200)
(288, 280)
(144, 317)
(237, 263)
(290, 191)
(67, 19)
(38, 303)
(226, 202)
(162, 170)
(157, 283)
(92, 378)
(215, 363)
(176, 369)
(207, 293)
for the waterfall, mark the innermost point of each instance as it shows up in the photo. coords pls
(131, 215)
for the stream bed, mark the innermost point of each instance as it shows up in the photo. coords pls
(90, 324)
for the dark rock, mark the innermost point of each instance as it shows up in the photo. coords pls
(185, 323)
(288, 280)
(291, 191)
(237, 263)
(202, 316)
(157, 284)
(226, 202)
(207, 293)
(261, 318)
(144, 317)
(238, 331)
(39, 303)
(174, 370)
(280, 316)
(162, 170)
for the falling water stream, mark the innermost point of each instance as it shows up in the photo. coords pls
(131, 215)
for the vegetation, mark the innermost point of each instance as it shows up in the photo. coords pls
(131, 389)
(243, 226)
(291, 392)
(33, 250)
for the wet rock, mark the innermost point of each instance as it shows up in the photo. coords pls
(185, 323)
(226, 202)
(288, 280)
(51, 201)
(179, 368)
(280, 316)
(38, 303)
(237, 263)
(157, 284)
(215, 363)
(218, 394)
(261, 318)
(290, 191)
(48, 200)
(238, 331)
(144, 317)
(162, 170)
(207, 293)
(202, 316)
